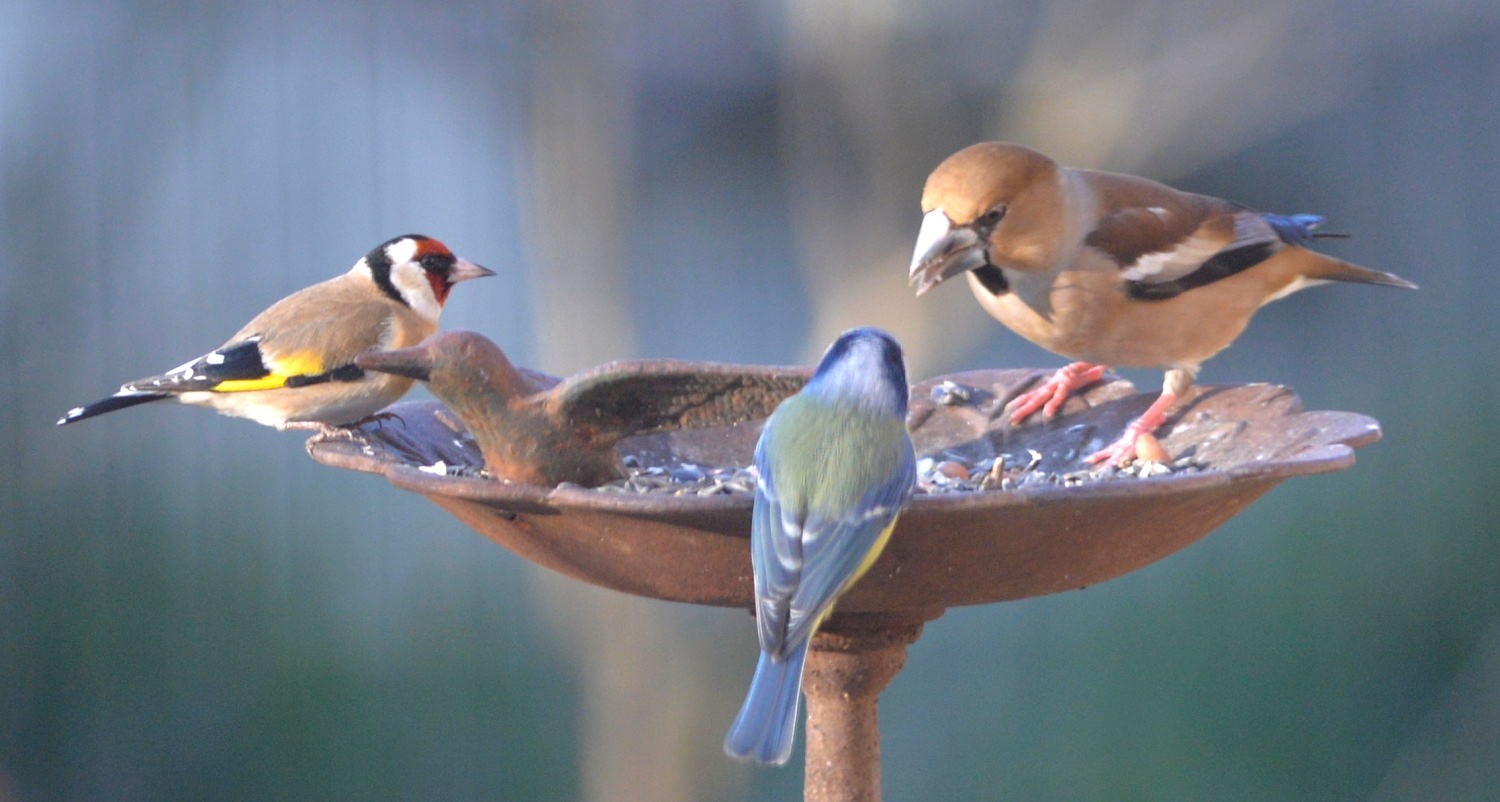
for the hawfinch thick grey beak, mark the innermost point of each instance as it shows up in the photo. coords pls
(464, 270)
(944, 251)
(413, 363)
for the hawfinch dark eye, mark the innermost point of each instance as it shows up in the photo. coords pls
(991, 218)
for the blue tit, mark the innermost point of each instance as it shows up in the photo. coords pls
(835, 467)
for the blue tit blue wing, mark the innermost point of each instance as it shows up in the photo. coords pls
(837, 550)
(776, 556)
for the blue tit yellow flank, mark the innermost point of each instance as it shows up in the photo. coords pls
(835, 467)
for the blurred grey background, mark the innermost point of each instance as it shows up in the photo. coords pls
(192, 609)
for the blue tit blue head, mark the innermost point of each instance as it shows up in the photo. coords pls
(864, 368)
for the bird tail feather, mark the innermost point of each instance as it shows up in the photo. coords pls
(1326, 268)
(114, 402)
(767, 723)
(1343, 271)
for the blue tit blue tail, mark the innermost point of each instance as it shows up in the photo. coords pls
(767, 724)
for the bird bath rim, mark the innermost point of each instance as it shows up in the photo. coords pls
(948, 549)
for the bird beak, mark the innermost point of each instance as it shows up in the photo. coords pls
(413, 363)
(465, 270)
(943, 251)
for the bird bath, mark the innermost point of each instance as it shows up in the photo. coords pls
(948, 549)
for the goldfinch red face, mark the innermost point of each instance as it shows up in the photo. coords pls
(418, 271)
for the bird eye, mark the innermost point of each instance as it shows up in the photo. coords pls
(991, 218)
(434, 263)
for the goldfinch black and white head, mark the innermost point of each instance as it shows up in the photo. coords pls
(294, 363)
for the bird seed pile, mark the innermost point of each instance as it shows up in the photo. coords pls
(948, 475)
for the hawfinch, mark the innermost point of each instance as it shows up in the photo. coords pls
(1109, 269)
(292, 366)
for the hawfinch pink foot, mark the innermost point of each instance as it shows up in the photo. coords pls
(1122, 451)
(1050, 395)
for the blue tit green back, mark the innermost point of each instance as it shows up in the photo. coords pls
(817, 441)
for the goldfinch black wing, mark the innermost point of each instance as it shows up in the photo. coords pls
(233, 365)
(243, 366)
(238, 366)
(309, 337)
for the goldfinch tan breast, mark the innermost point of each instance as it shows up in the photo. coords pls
(293, 364)
(1109, 269)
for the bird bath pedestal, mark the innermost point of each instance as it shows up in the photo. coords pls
(1047, 534)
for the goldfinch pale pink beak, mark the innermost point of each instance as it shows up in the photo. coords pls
(944, 251)
(464, 270)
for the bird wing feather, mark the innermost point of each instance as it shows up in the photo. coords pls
(1160, 256)
(335, 325)
(838, 551)
(1167, 242)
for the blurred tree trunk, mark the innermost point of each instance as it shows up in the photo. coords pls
(642, 700)
(859, 101)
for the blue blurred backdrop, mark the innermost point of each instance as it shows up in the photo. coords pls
(192, 609)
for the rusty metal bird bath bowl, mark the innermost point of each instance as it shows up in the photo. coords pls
(948, 549)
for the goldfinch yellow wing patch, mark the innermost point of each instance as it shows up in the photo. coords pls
(275, 373)
(242, 367)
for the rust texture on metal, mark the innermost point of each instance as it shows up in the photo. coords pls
(851, 661)
(947, 550)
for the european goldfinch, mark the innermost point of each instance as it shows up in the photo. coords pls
(835, 467)
(1110, 269)
(293, 364)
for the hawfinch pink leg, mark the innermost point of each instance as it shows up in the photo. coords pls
(1122, 451)
(1174, 386)
(1050, 395)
